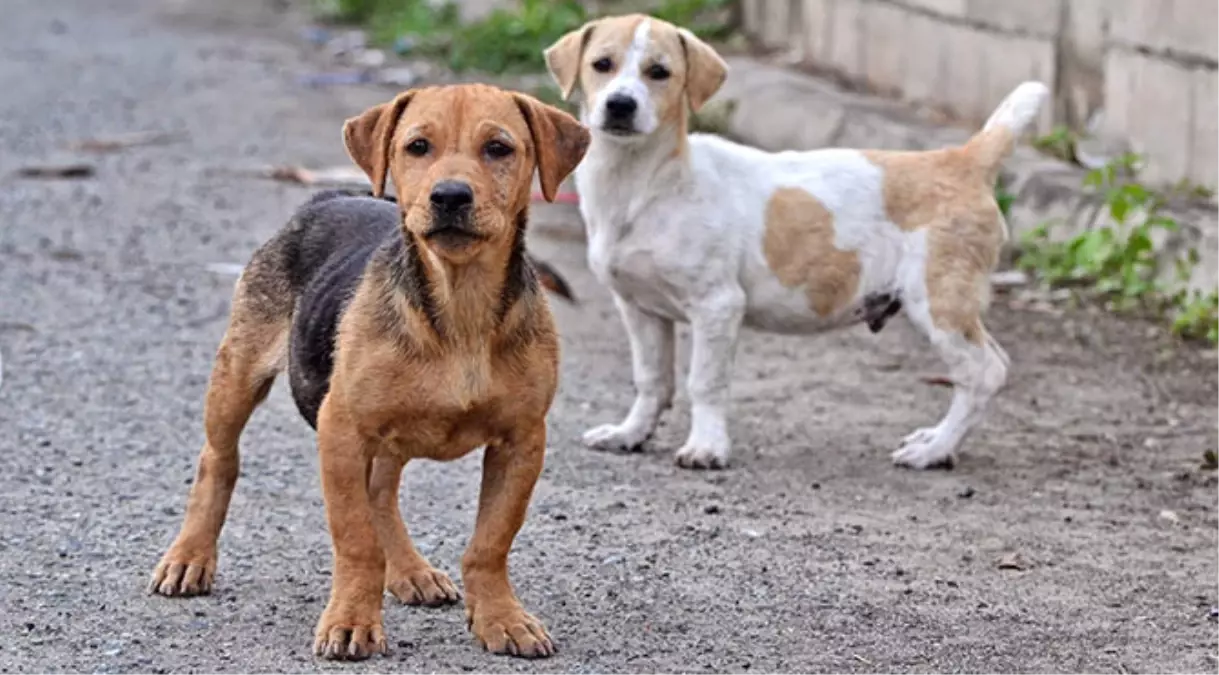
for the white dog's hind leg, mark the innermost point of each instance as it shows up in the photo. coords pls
(652, 362)
(714, 325)
(978, 370)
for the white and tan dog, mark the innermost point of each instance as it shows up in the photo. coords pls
(699, 229)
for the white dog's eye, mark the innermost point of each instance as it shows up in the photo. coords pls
(603, 65)
(658, 72)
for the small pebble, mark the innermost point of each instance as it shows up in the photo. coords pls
(405, 44)
(966, 493)
(711, 509)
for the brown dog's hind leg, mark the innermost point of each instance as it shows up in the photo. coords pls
(408, 575)
(493, 612)
(251, 354)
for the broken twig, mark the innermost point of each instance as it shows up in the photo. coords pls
(120, 141)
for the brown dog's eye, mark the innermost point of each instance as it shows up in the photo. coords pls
(602, 65)
(658, 72)
(497, 149)
(418, 147)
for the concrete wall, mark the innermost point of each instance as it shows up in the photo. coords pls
(1149, 65)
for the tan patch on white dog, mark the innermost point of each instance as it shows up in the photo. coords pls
(799, 248)
(950, 194)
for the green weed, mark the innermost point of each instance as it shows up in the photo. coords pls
(1118, 263)
(1060, 143)
(507, 40)
(1004, 199)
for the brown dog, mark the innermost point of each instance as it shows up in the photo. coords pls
(409, 332)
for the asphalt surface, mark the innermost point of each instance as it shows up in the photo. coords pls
(810, 553)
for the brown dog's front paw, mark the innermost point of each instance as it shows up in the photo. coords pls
(344, 635)
(511, 630)
(182, 574)
(422, 586)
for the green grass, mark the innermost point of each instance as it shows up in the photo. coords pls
(1118, 263)
(508, 40)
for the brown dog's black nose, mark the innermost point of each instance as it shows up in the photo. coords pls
(451, 195)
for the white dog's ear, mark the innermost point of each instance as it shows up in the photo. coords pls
(705, 70)
(563, 58)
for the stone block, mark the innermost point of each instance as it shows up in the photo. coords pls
(1082, 58)
(776, 29)
(967, 91)
(1147, 100)
(846, 53)
(927, 57)
(1040, 18)
(952, 8)
(1185, 27)
(751, 15)
(887, 49)
(1203, 167)
(817, 18)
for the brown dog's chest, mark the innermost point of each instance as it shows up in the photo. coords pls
(442, 410)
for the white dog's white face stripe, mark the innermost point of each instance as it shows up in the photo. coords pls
(628, 83)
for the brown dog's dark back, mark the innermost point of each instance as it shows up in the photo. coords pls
(325, 249)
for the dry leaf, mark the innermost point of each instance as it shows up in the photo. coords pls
(334, 176)
(1013, 561)
(1009, 279)
(119, 141)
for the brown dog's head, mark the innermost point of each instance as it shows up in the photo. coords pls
(636, 72)
(461, 159)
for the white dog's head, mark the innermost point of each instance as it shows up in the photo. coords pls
(637, 74)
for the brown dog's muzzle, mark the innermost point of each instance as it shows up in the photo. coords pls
(452, 203)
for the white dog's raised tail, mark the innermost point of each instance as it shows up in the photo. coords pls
(1013, 116)
(1019, 109)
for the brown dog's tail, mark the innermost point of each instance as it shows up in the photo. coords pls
(552, 280)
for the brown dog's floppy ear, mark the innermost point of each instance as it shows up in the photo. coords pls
(705, 70)
(368, 137)
(559, 140)
(563, 58)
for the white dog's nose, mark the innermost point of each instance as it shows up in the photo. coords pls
(621, 107)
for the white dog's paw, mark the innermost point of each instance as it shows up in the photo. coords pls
(927, 448)
(615, 437)
(703, 455)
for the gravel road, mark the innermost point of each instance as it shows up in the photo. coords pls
(810, 553)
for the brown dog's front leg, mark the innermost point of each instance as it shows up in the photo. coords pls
(408, 575)
(350, 628)
(510, 470)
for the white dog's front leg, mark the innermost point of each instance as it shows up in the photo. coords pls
(714, 325)
(652, 362)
